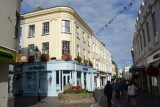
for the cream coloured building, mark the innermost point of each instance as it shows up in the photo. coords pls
(9, 44)
(55, 31)
(99, 62)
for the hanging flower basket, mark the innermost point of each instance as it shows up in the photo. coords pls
(90, 63)
(30, 59)
(152, 71)
(85, 62)
(66, 57)
(45, 57)
(79, 59)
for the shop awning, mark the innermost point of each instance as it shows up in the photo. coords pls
(7, 56)
(135, 69)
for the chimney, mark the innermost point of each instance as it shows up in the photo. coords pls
(38, 7)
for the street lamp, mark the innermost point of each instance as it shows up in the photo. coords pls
(36, 52)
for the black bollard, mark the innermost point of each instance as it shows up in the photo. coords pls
(39, 95)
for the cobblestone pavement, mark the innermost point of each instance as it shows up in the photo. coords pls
(143, 99)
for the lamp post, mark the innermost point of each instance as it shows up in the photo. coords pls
(36, 51)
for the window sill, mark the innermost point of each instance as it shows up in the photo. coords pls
(66, 32)
(31, 37)
(78, 38)
(45, 34)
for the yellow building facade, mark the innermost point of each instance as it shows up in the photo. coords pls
(56, 30)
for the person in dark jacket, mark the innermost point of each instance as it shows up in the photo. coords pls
(108, 92)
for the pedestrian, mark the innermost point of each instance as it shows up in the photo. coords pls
(108, 92)
(122, 86)
(117, 88)
(131, 93)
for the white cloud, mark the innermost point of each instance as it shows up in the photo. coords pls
(96, 13)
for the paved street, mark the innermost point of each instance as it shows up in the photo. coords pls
(143, 100)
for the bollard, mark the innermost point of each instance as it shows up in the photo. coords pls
(39, 95)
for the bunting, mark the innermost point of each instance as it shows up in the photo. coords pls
(121, 12)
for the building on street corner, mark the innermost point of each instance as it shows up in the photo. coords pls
(54, 33)
(146, 47)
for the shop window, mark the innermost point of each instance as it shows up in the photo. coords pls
(79, 78)
(57, 81)
(31, 82)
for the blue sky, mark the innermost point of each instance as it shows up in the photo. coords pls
(118, 36)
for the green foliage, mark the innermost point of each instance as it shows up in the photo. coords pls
(75, 91)
(79, 59)
(90, 63)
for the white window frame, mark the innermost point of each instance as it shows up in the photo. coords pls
(65, 26)
(30, 49)
(45, 28)
(45, 48)
(31, 30)
(65, 47)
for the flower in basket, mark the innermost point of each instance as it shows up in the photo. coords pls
(31, 59)
(79, 59)
(85, 61)
(66, 57)
(90, 63)
(45, 57)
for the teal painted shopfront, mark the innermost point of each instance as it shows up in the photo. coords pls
(52, 76)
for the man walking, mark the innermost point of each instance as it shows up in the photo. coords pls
(108, 92)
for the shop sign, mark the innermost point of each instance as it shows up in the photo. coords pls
(85, 69)
(36, 67)
(156, 56)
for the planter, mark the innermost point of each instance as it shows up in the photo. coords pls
(79, 96)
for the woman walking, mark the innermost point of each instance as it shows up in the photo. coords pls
(131, 93)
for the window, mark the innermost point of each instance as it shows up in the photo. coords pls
(88, 41)
(77, 31)
(30, 49)
(83, 37)
(78, 50)
(84, 55)
(65, 47)
(144, 40)
(16, 33)
(148, 32)
(31, 30)
(154, 22)
(141, 41)
(45, 48)
(65, 26)
(45, 28)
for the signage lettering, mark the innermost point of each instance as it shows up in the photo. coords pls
(36, 67)
(156, 56)
(85, 69)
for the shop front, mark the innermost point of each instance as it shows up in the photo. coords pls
(152, 71)
(52, 76)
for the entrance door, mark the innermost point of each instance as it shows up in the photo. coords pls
(66, 79)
